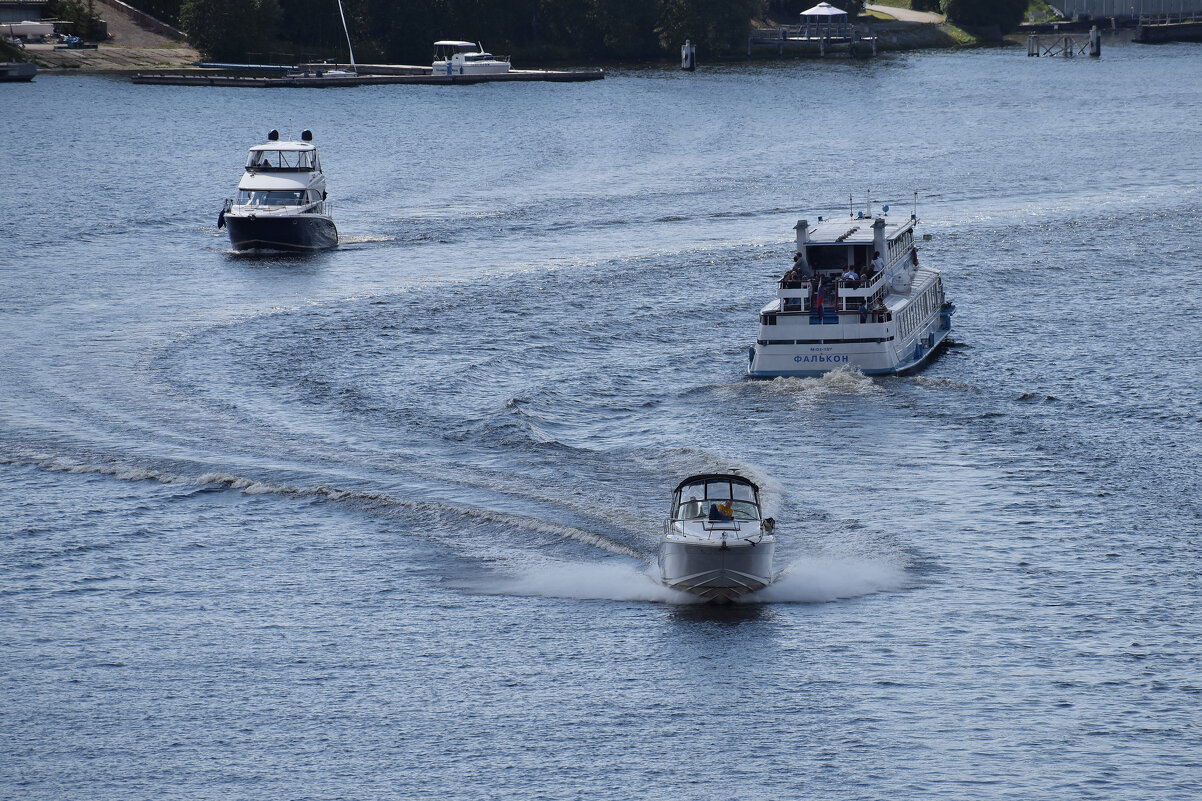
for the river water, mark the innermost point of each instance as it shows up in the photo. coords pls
(378, 523)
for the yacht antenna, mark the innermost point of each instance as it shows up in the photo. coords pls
(914, 216)
(349, 49)
(851, 205)
(870, 204)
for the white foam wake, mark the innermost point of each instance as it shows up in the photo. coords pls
(819, 580)
(610, 581)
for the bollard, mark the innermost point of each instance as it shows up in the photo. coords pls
(1068, 47)
(1095, 42)
(1032, 46)
(688, 55)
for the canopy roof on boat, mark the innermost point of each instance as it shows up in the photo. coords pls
(283, 146)
(824, 10)
(704, 477)
(452, 43)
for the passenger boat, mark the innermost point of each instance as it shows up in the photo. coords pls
(857, 296)
(716, 543)
(281, 202)
(466, 58)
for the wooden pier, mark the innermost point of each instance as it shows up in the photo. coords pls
(378, 74)
(1065, 46)
(814, 40)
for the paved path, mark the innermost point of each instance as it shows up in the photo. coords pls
(905, 14)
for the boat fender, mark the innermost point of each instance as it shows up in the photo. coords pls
(221, 220)
(914, 256)
(769, 524)
(750, 354)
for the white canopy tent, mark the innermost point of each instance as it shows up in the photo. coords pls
(824, 10)
(823, 20)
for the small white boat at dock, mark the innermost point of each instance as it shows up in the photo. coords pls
(281, 202)
(453, 57)
(716, 543)
(857, 296)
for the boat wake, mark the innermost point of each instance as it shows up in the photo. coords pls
(585, 581)
(821, 580)
(843, 381)
(364, 239)
(806, 581)
(411, 509)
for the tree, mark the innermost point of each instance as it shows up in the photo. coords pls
(718, 26)
(852, 7)
(226, 30)
(1004, 14)
(80, 13)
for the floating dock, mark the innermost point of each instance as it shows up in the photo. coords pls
(1161, 32)
(368, 75)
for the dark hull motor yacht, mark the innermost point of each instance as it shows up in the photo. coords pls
(281, 203)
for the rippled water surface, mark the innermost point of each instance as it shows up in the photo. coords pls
(379, 523)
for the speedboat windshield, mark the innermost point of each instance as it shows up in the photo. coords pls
(716, 497)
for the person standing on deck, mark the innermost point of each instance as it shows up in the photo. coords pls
(878, 264)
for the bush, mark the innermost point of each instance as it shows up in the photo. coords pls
(1004, 14)
(226, 30)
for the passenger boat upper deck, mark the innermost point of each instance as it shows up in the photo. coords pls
(857, 296)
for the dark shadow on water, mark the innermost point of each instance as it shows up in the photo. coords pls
(297, 263)
(722, 614)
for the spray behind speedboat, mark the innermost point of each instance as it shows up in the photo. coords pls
(716, 542)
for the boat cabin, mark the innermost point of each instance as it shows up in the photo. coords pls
(283, 157)
(277, 197)
(464, 58)
(447, 49)
(716, 496)
(830, 252)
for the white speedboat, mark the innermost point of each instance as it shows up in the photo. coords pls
(716, 543)
(857, 296)
(466, 58)
(281, 202)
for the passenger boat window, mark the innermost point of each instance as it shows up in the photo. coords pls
(744, 492)
(692, 509)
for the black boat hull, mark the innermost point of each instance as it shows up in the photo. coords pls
(301, 233)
